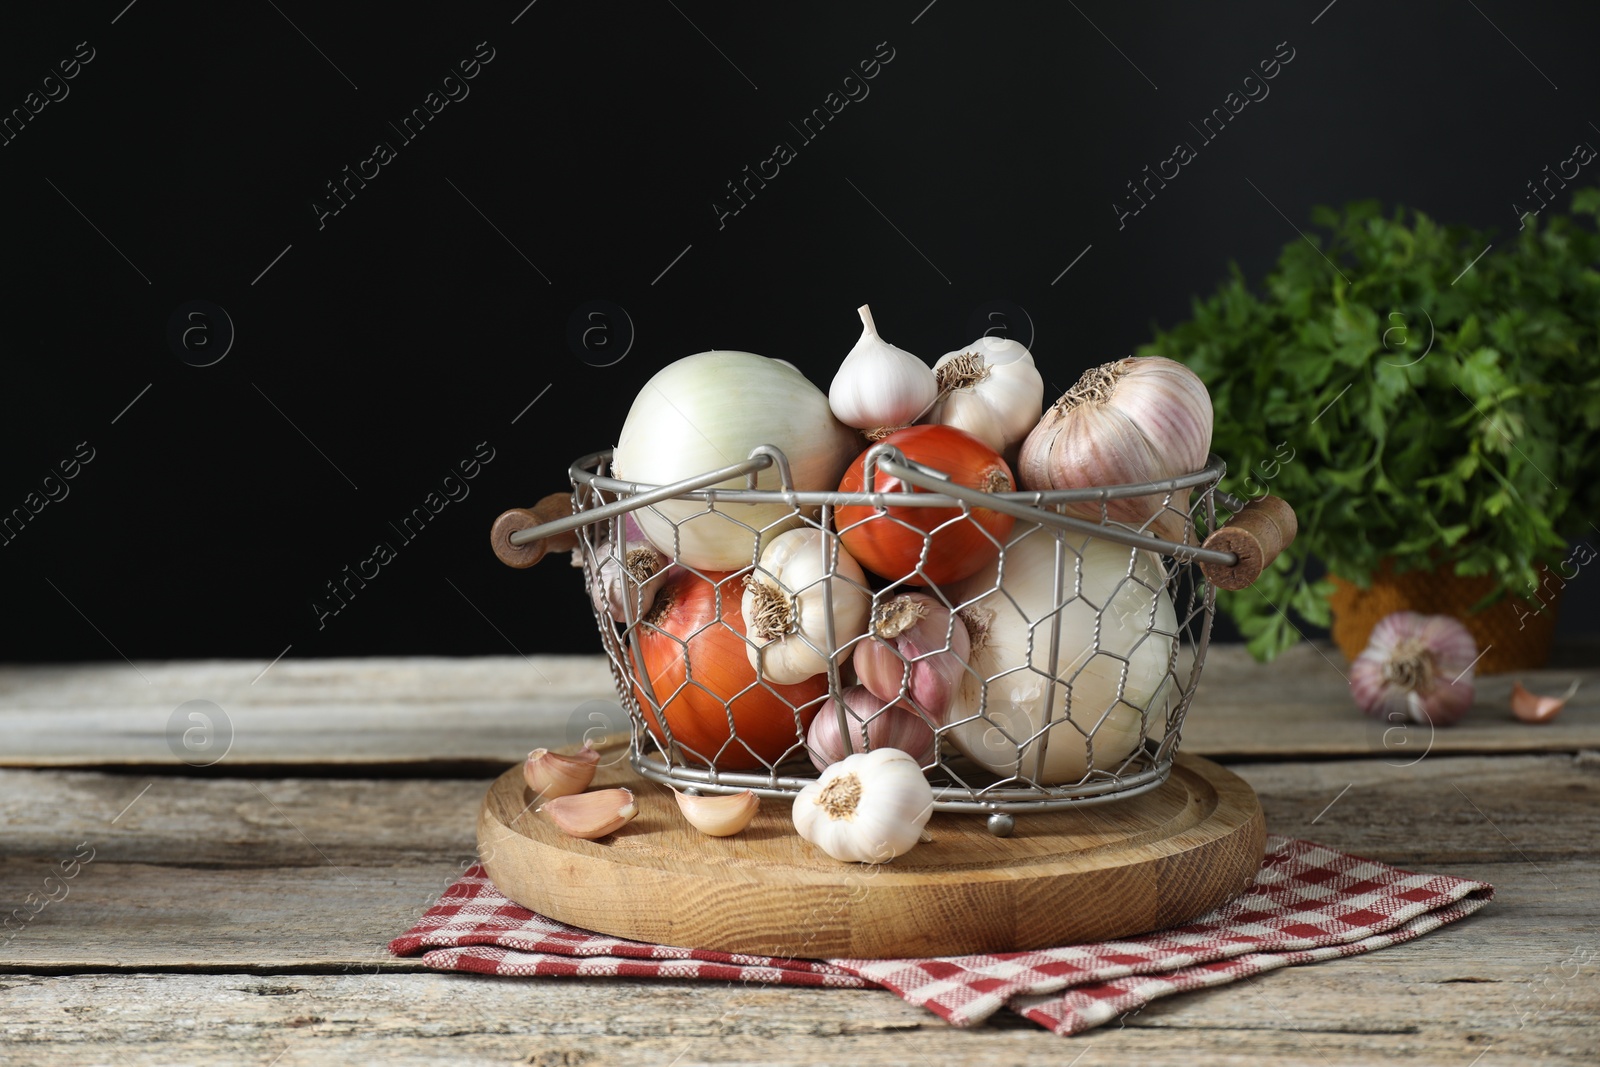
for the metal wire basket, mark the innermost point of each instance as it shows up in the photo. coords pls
(1091, 711)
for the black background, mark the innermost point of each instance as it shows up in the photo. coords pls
(379, 350)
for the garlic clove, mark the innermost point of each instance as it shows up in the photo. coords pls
(551, 774)
(879, 386)
(1417, 668)
(592, 815)
(719, 816)
(1530, 707)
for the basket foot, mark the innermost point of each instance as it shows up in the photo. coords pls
(1001, 825)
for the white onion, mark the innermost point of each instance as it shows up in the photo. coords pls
(709, 411)
(1135, 621)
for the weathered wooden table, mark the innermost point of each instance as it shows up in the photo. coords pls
(238, 913)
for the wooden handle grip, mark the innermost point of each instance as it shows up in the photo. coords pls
(553, 507)
(1263, 528)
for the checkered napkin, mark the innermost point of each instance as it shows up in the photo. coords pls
(1308, 903)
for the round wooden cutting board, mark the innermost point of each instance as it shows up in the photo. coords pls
(1104, 871)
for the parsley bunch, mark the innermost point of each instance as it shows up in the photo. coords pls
(1406, 407)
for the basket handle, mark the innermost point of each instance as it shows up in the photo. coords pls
(525, 552)
(1256, 534)
(892, 462)
(520, 537)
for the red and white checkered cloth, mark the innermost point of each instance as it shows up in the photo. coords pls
(1309, 903)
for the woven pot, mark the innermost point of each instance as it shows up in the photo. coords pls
(1515, 632)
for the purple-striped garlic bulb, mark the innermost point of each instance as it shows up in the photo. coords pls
(915, 647)
(1416, 667)
(633, 575)
(870, 724)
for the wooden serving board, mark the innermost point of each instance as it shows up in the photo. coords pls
(1104, 871)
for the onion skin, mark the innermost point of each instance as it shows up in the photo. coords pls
(686, 645)
(883, 544)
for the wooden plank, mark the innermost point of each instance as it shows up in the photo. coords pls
(230, 875)
(1401, 1004)
(1300, 706)
(491, 710)
(321, 873)
(1462, 809)
(354, 711)
(1549, 805)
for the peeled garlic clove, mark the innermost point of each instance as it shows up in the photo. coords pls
(879, 386)
(592, 815)
(1416, 667)
(719, 816)
(551, 774)
(1530, 707)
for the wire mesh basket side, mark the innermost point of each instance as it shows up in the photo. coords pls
(1063, 736)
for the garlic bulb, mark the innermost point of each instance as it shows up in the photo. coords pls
(630, 578)
(867, 808)
(879, 386)
(991, 389)
(918, 650)
(592, 815)
(871, 726)
(551, 774)
(1113, 658)
(719, 816)
(784, 609)
(1135, 420)
(1415, 667)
